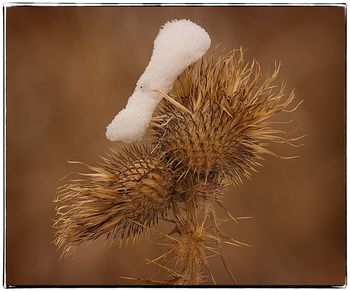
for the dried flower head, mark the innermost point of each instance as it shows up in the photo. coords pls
(135, 186)
(216, 119)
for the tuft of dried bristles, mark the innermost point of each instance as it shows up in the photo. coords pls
(211, 130)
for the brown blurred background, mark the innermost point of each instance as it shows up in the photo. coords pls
(71, 69)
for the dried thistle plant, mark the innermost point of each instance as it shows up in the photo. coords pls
(211, 130)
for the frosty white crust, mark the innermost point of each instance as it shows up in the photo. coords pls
(178, 44)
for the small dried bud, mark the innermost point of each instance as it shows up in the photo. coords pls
(212, 191)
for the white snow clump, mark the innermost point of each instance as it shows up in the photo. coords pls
(178, 44)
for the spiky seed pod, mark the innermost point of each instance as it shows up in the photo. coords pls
(135, 186)
(216, 119)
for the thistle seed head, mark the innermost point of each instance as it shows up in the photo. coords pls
(135, 186)
(216, 119)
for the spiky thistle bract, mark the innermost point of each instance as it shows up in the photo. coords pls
(212, 130)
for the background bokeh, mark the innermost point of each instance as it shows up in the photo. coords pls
(71, 69)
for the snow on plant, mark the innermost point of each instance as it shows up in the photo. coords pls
(178, 44)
